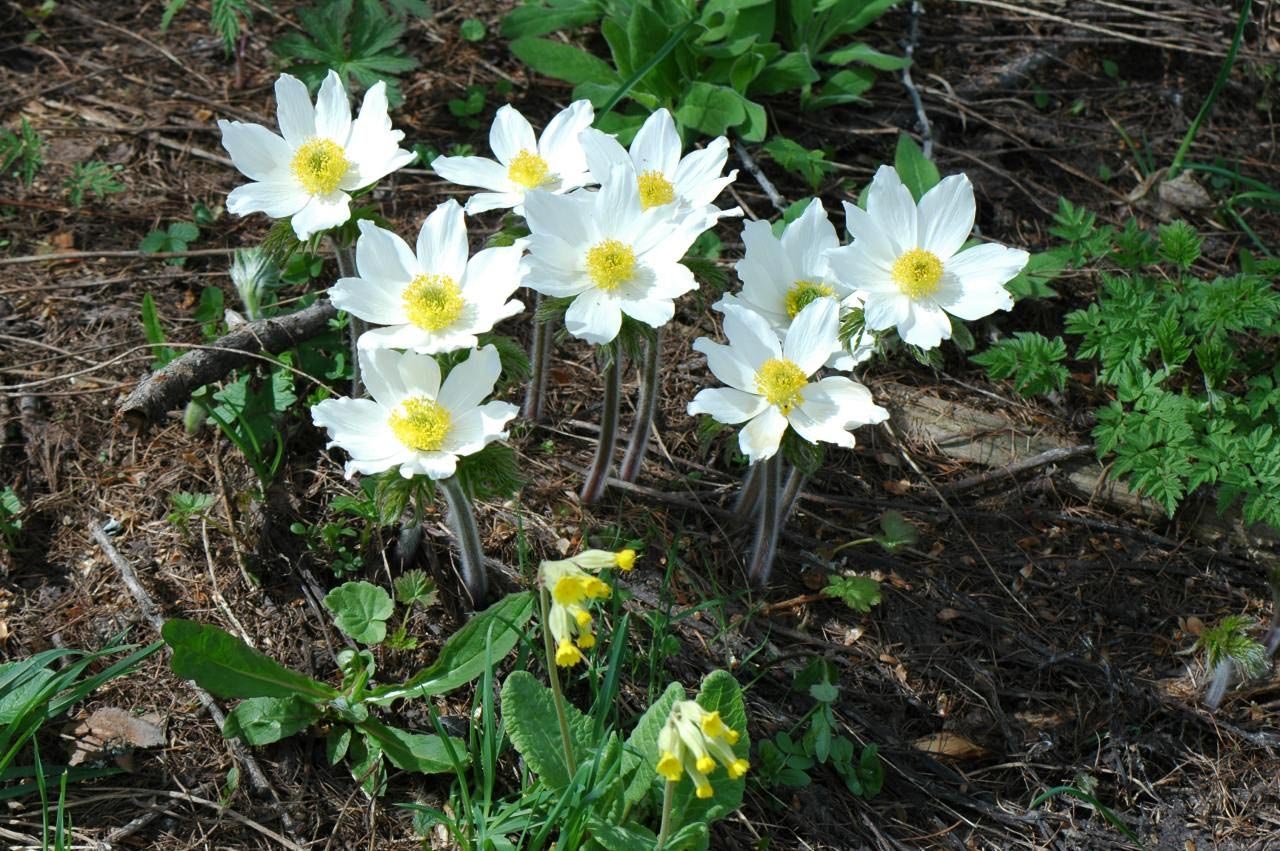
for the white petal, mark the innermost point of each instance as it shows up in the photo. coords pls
(371, 299)
(812, 335)
(654, 312)
(727, 405)
(371, 136)
(360, 427)
(401, 336)
(492, 275)
(382, 255)
(856, 268)
(478, 427)
(561, 216)
(256, 151)
(946, 215)
(698, 176)
(980, 274)
(820, 427)
(773, 271)
(926, 326)
(472, 171)
(751, 336)
(760, 438)
(420, 374)
(885, 310)
(483, 202)
(593, 316)
(806, 240)
(471, 381)
(857, 407)
(603, 153)
(333, 111)
(275, 198)
(559, 144)
(510, 135)
(889, 203)
(433, 465)
(727, 364)
(294, 112)
(321, 213)
(656, 146)
(442, 242)
(380, 370)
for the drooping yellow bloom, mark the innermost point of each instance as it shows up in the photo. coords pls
(573, 586)
(692, 741)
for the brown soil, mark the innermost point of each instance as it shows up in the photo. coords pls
(1047, 635)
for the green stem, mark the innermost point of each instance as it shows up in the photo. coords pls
(539, 364)
(668, 798)
(598, 475)
(646, 406)
(553, 675)
(790, 493)
(767, 524)
(462, 522)
(355, 326)
(1221, 80)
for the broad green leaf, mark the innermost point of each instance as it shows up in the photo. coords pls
(918, 173)
(640, 755)
(226, 666)
(361, 609)
(536, 19)
(462, 658)
(563, 61)
(721, 693)
(337, 742)
(364, 756)
(694, 836)
(864, 54)
(842, 87)
(711, 109)
(420, 752)
(529, 713)
(789, 71)
(263, 720)
(632, 837)
(896, 531)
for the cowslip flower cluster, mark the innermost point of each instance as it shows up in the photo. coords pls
(307, 172)
(573, 585)
(693, 741)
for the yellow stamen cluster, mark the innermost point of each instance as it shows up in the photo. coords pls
(421, 423)
(655, 189)
(780, 381)
(574, 586)
(804, 293)
(917, 273)
(610, 264)
(319, 165)
(692, 741)
(529, 170)
(433, 302)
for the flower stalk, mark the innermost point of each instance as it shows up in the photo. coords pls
(355, 326)
(646, 407)
(768, 523)
(462, 522)
(790, 493)
(553, 675)
(749, 494)
(668, 798)
(598, 475)
(539, 363)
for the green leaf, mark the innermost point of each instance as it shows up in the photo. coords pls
(536, 19)
(154, 332)
(896, 531)
(336, 743)
(184, 232)
(361, 610)
(462, 658)
(789, 71)
(842, 87)
(721, 693)
(472, 29)
(1033, 280)
(1033, 361)
(711, 109)
(364, 756)
(225, 665)
(632, 837)
(563, 61)
(857, 592)
(529, 712)
(640, 754)
(425, 754)
(263, 720)
(864, 54)
(918, 173)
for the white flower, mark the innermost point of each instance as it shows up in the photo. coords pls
(691, 183)
(780, 277)
(436, 301)
(905, 258)
(554, 163)
(412, 422)
(769, 381)
(601, 248)
(323, 155)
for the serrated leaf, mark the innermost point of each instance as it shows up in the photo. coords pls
(640, 754)
(361, 610)
(529, 714)
(857, 592)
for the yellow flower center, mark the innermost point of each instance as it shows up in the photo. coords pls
(780, 381)
(804, 293)
(433, 302)
(319, 165)
(611, 264)
(529, 170)
(421, 424)
(917, 273)
(655, 190)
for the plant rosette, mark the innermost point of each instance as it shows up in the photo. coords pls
(414, 422)
(435, 300)
(907, 258)
(320, 157)
(769, 382)
(665, 181)
(601, 250)
(554, 162)
(783, 275)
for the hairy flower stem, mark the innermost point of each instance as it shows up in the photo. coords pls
(553, 674)
(539, 364)
(355, 326)
(668, 798)
(598, 475)
(749, 494)
(646, 406)
(790, 493)
(768, 523)
(462, 522)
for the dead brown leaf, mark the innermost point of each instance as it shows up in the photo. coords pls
(951, 745)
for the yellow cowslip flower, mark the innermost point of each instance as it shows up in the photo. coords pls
(692, 741)
(572, 584)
